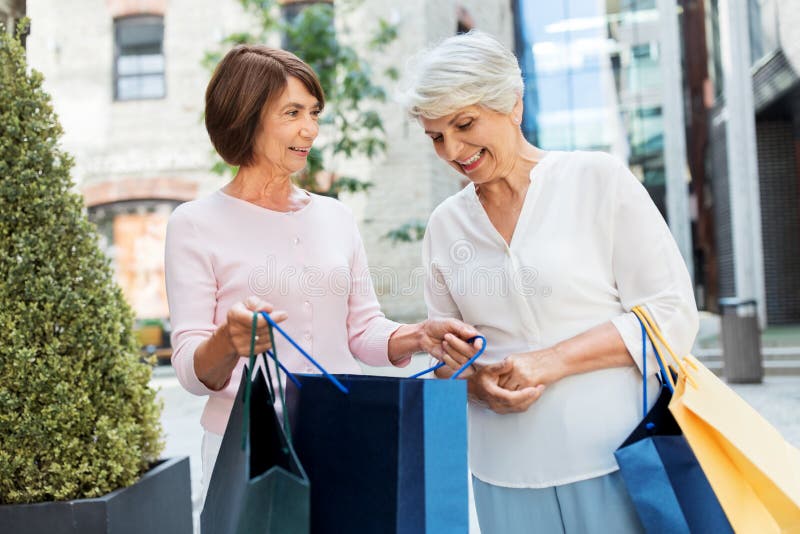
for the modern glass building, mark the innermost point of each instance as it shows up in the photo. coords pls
(593, 81)
(758, 244)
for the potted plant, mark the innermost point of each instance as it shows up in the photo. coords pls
(79, 424)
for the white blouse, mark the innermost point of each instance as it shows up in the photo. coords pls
(589, 246)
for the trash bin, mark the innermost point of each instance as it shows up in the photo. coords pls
(741, 341)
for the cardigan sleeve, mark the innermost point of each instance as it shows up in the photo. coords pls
(649, 271)
(191, 292)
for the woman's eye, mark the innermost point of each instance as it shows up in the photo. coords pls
(465, 125)
(292, 112)
(437, 138)
(316, 113)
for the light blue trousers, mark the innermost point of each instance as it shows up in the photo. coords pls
(599, 505)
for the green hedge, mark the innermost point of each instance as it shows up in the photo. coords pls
(77, 418)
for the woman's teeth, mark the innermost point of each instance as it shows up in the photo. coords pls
(473, 159)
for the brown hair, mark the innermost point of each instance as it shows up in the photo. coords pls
(242, 84)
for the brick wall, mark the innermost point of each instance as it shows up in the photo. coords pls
(124, 8)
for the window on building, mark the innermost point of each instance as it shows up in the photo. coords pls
(139, 58)
(715, 53)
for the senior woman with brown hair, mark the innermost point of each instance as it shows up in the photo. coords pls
(574, 242)
(262, 243)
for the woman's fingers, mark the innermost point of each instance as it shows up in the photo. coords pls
(278, 316)
(461, 329)
(460, 351)
(455, 366)
(503, 400)
(254, 303)
(240, 324)
(499, 368)
(463, 347)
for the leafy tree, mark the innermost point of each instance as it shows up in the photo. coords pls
(349, 125)
(410, 231)
(78, 418)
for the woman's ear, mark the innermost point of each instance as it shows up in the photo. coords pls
(516, 112)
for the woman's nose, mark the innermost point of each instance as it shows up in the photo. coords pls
(452, 147)
(310, 128)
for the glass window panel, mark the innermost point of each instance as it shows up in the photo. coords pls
(132, 65)
(553, 92)
(139, 31)
(141, 50)
(587, 89)
(139, 87)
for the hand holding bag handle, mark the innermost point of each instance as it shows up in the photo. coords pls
(272, 324)
(463, 367)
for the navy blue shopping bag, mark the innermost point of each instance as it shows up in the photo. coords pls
(390, 456)
(663, 478)
(384, 455)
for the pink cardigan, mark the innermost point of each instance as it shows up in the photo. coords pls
(310, 263)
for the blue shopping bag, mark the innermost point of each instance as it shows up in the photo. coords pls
(389, 456)
(383, 454)
(661, 473)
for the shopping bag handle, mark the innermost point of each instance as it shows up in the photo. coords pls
(662, 372)
(654, 333)
(463, 367)
(271, 389)
(288, 338)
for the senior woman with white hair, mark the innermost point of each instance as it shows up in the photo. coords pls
(570, 242)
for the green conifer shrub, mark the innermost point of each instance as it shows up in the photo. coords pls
(77, 417)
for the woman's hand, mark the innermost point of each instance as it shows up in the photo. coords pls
(484, 388)
(531, 369)
(217, 356)
(240, 325)
(427, 337)
(456, 352)
(435, 331)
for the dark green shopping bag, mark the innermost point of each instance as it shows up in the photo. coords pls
(258, 484)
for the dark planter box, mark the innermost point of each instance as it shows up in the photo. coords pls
(160, 502)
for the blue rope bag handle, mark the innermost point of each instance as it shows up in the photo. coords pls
(662, 373)
(463, 367)
(288, 338)
(273, 353)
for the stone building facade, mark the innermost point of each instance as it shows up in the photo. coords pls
(135, 129)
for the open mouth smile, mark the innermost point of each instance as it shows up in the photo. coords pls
(472, 162)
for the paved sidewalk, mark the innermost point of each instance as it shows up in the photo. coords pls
(777, 399)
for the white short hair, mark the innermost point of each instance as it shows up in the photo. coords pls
(463, 70)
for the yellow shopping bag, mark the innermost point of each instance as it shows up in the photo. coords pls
(754, 472)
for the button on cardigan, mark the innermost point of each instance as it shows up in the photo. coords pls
(589, 246)
(310, 263)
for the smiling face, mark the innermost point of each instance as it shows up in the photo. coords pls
(479, 143)
(289, 124)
